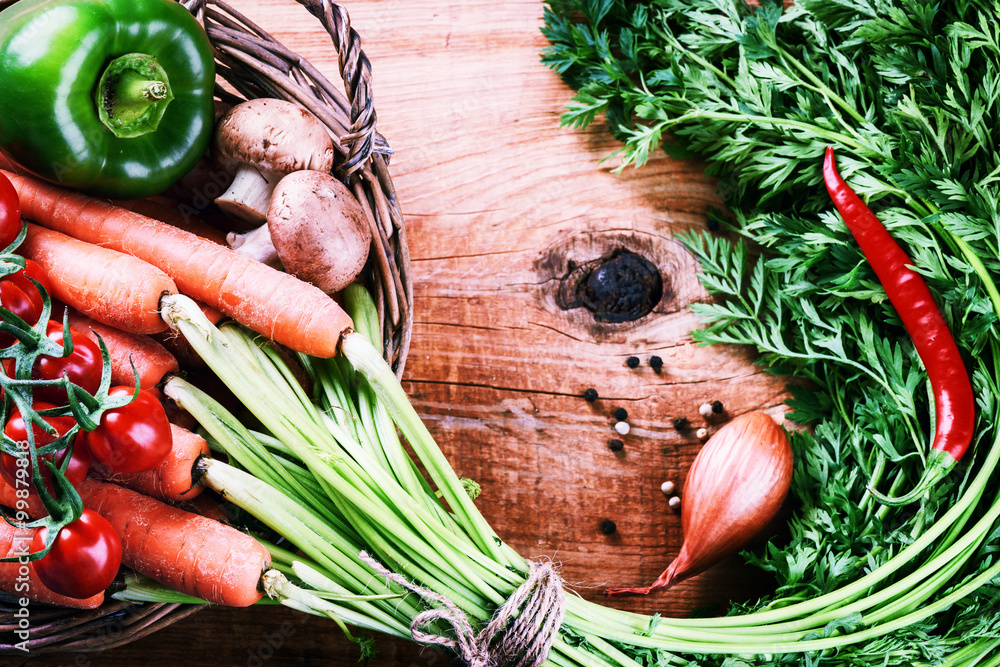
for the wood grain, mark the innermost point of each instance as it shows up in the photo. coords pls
(499, 201)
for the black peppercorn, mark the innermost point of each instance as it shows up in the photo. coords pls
(590, 395)
(713, 225)
(680, 422)
(608, 527)
(621, 414)
(656, 363)
(632, 362)
(616, 445)
(717, 407)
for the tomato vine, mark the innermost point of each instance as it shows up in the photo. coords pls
(56, 386)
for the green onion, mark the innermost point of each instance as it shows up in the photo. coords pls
(337, 486)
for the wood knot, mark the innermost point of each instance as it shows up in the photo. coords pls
(619, 286)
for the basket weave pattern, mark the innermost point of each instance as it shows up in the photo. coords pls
(255, 64)
(252, 64)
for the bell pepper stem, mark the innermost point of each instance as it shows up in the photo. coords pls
(132, 95)
(135, 90)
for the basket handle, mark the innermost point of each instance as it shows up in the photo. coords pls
(361, 139)
(356, 71)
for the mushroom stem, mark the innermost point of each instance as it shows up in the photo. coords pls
(264, 139)
(255, 244)
(249, 194)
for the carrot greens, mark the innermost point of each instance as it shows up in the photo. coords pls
(906, 94)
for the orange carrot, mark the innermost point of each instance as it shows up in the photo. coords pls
(19, 579)
(108, 286)
(185, 551)
(177, 217)
(166, 209)
(272, 303)
(169, 481)
(32, 505)
(211, 314)
(151, 359)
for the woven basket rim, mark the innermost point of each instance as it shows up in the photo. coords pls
(254, 64)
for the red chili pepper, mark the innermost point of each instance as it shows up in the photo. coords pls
(954, 404)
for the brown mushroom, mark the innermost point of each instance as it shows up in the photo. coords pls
(261, 141)
(317, 230)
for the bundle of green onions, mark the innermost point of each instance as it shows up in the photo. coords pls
(367, 541)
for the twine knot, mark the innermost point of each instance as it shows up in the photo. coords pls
(519, 634)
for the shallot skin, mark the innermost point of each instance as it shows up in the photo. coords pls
(735, 487)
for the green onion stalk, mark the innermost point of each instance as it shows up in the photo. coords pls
(326, 475)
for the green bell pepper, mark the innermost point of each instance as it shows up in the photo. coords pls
(113, 97)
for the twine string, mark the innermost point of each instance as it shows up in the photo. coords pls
(519, 634)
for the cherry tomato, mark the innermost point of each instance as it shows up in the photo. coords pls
(83, 366)
(84, 559)
(17, 431)
(14, 299)
(25, 303)
(134, 437)
(34, 271)
(10, 213)
(21, 296)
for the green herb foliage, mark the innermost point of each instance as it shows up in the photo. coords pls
(908, 92)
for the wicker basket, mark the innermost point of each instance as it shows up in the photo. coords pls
(254, 64)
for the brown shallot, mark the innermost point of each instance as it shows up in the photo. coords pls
(735, 487)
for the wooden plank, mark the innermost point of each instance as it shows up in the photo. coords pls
(500, 202)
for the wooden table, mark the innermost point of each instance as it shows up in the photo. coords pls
(501, 203)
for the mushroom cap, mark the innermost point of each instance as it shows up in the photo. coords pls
(320, 231)
(273, 135)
